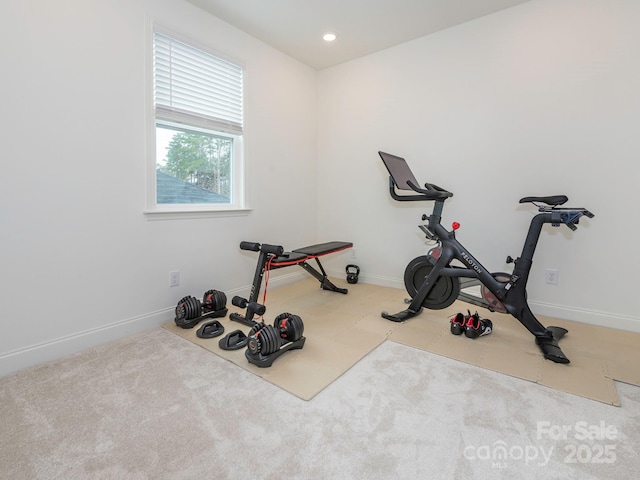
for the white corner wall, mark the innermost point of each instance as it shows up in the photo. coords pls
(538, 99)
(81, 264)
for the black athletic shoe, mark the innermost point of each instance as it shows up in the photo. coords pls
(477, 327)
(458, 323)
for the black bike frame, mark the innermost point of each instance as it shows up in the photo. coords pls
(511, 293)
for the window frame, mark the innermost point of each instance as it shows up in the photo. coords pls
(155, 210)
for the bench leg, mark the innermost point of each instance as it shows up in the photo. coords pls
(325, 283)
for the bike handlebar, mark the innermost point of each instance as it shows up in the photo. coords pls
(430, 192)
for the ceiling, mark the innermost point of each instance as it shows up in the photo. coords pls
(295, 27)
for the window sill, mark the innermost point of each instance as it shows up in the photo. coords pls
(178, 214)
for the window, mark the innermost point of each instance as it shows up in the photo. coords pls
(197, 100)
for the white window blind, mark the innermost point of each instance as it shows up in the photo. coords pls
(194, 87)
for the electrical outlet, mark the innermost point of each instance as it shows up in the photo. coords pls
(174, 278)
(353, 255)
(551, 276)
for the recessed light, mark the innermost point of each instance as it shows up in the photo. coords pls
(329, 37)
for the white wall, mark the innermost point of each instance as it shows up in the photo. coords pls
(538, 99)
(81, 263)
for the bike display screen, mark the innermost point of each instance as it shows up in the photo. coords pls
(399, 171)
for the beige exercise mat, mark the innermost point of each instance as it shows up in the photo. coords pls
(338, 328)
(342, 329)
(511, 349)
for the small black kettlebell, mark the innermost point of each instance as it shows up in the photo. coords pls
(352, 273)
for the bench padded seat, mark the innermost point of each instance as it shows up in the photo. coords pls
(323, 248)
(299, 255)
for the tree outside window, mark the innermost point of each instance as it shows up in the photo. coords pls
(198, 159)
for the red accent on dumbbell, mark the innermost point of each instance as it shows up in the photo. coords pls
(455, 226)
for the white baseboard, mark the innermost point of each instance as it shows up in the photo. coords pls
(591, 317)
(275, 281)
(369, 278)
(40, 353)
(57, 348)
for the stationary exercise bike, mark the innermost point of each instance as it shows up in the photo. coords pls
(433, 283)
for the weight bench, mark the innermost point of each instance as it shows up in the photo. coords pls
(272, 257)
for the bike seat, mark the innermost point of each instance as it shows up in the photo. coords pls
(553, 200)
